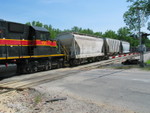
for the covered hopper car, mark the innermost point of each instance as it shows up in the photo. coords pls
(125, 47)
(81, 47)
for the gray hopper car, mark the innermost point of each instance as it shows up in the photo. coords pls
(125, 47)
(80, 48)
(115, 47)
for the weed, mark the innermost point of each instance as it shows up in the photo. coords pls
(126, 67)
(37, 99)
(147, 68)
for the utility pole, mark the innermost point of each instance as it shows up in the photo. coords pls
(140, 40)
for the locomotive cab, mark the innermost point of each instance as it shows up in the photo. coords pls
(40, 33)
(42, 45)
(2, 28)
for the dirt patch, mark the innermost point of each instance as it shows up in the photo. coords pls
(26, 101)
(33, 101)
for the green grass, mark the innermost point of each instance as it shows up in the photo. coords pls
(148, 62)
(146, 68)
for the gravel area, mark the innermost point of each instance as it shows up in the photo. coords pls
(33, 101)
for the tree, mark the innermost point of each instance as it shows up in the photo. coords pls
(76, 29)
(35, 23)
(138, 14)
(53, 32)
(110, 34)
(148, 26)
(98, 34)
(123, 33)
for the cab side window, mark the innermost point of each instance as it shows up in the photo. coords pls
(1, 34)
(2, 29)
(44, 36)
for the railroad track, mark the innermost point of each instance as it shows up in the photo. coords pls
(43, 77)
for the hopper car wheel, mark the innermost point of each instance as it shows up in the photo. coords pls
(89, 60)
(72, 63)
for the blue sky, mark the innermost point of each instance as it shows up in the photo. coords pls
(98, 15)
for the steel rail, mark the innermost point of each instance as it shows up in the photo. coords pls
(40, 79)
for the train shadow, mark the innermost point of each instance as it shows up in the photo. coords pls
(10, 72)
(7, 72)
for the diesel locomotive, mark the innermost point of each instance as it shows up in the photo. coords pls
(29, 47)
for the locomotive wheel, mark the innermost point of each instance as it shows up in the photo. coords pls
(49, 65)
(19, 67)
(46, 67)
(28, 70)
(35, 68)
(59, 64)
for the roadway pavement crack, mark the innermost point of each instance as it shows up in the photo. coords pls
(104, 75)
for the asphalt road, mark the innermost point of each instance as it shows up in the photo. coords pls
(121, 89)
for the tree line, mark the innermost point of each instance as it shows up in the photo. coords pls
(122, 34)
(132, 17)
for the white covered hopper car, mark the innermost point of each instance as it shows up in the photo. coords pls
(113, 45)
(81, 47)
(125, 47)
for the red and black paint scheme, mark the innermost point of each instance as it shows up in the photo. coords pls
(29, 47)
